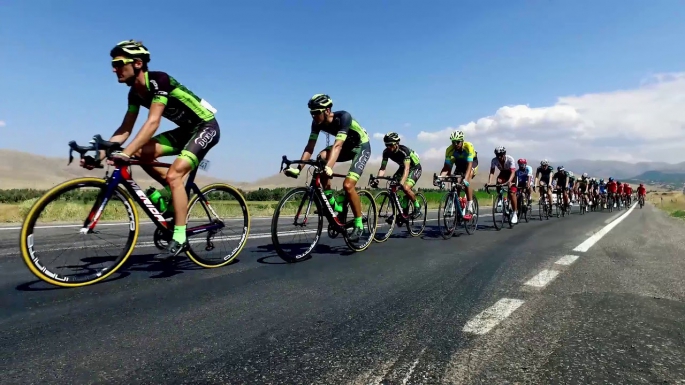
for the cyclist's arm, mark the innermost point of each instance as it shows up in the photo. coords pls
(407, 164)
(335, 151)
(492, 172)
(536, 179)
(149, 128)
(447, 166)
(469, 158)
(384, 163)
(124, 131)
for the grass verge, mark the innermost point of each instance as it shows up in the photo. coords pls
(671, 202)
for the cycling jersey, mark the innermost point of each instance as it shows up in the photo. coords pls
(561, 177)
(522, 176)
(509, 164)
(467, 153)
(641, 190)
(602, 188)
(611, 187)
(545, 172)
(344, 127)
(619, 188)
(628, 190)
(582, 184)
(182, 106)
(571, 181)
(400, 156)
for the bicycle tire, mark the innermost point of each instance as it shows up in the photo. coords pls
(472, 225)
(374, 215)
(391, 204)
(26, 238)
(192, 255)
(287, 257)
(425, 216)
(494, 213)
(446, 231)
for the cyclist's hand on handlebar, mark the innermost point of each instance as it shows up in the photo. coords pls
(89, 163)
(292, 172)
(374, 183)
(466, 183)
(328, 171)
(118, 157)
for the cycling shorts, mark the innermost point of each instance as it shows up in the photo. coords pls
(460, 166)
(414, 174)
(359, 154)
(190, 143)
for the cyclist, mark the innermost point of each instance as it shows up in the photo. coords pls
(409, 171)
(628, 190)
(464, 157)
(573, 195)
(505, 164)
(641, 191)
(602, 192)
(543, 177)
(594, 190)
(582, 187)
(524, 178)
(351, 144)
(562, 176)
(611, 189)
(164, 96)
(619, 192)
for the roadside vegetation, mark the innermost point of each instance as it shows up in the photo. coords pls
(16, 203)
(671, 202)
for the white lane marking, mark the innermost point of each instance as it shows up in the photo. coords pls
(405, 381)
(492, 316)
(585, 246)
(543, 278)
(567, 260)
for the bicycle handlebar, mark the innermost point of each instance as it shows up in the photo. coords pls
(97, 144)
(318, 163)
(449, 178)
(497, 185)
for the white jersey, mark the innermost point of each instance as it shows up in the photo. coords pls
(509, 164)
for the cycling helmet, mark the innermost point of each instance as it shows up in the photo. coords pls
(132, 49)
(611, 179)
(544, 162)
(560, 168)
(320, 102)
(570, 173)
(522, 163)
(584, 175)
(457, 136)
(391, 137)
(499, 150)
(642, 185)
(601, 181)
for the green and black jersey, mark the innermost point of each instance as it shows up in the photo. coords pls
(344, 127)
(182, 106)
(400, 156)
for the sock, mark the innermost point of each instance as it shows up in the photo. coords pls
(358, 223)
(416, 204)
(180, 234)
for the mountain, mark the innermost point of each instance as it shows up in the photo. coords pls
(26, 170)
(674, 179)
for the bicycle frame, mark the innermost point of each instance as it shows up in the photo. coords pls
(392, 189)
(121, 174)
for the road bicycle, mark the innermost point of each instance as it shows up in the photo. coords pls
(641, 201)
(560, 206)
(395, 208)
(524, 206)
(584, 204)
(299, 213)
(452, 208)
(502, 200)
(544, 207)
(120, 188)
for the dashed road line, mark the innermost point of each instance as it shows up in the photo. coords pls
(543, 278)
(567, 260)
(492, 316)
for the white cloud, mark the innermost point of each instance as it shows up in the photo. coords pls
(380, 136)
(645, 123)
(2, 123)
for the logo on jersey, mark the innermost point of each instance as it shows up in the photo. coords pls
(361, 163)
(205, 138)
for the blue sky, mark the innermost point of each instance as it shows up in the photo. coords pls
(408, 66)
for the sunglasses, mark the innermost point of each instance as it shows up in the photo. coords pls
(456, 142)
(388, 145)
(118, 63)
(316, 112)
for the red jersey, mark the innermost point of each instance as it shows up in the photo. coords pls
(620, 189)
(628, 190)
(641, 190)
(611, 187)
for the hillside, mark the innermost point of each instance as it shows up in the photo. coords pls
(25, 170)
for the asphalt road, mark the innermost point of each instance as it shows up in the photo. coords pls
(512, 306)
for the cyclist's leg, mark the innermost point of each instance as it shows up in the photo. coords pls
(469, 178)
(414, 175)
(205, 137)
(361, 155)
(167, 143)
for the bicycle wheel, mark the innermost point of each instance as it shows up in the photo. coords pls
(415, 226)
(542, 208)
(472, 225)
(369, 219)
(226, 200)
(80, 206)
(387, 216)
(495, 203)
(296, 209)
(447, 215)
